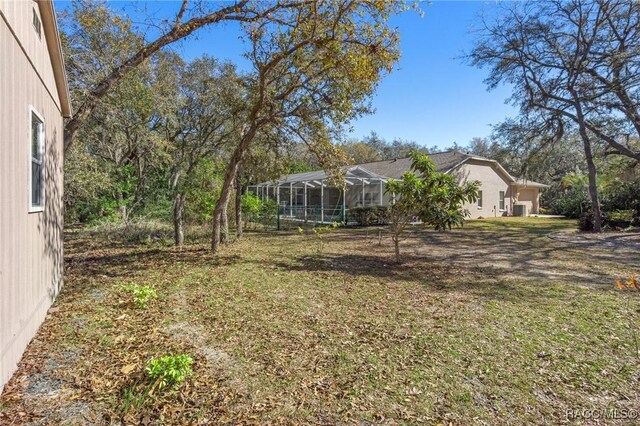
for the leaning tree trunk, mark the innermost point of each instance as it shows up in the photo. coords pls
(238, 205)
(178, 218)
(227, 184)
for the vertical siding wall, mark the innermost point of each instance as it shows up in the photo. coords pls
(31, 262)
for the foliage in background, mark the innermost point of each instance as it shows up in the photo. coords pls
(375, 148)
(135, 231)
(116, 167)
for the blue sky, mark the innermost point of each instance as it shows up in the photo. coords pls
(433, 97)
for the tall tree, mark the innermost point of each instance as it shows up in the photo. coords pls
(314, 65)
(120, 133)
(208, 115)
(566, 58)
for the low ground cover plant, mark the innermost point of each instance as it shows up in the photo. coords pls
(169, 370)
(141, 295)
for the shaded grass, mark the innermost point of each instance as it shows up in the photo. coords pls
(283, 335)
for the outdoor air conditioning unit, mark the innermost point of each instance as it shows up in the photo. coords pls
(519, 209)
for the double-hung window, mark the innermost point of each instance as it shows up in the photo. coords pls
(36, 163)
(501, 200)
(479, 199)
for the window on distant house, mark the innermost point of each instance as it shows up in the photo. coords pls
(501, 200)
(36, 23)
(479, 199)
(36, 166)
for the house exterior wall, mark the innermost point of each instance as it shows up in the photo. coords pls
(528, 197)
(491, 183)
(31, 262)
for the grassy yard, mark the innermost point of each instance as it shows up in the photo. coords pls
(492, 324)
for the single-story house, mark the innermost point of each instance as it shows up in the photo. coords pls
(365, 183)
(34, 98)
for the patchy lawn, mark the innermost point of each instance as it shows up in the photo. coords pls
(492, 324)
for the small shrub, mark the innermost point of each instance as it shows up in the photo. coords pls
(369, 216)
(256, 210)
(319, 232)
(142, 295)
(136, 231)
(621, 215)
(169, 370)
(586, 221)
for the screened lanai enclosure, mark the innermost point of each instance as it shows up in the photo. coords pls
(310, 198)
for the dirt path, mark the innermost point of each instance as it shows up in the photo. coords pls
(518, 254)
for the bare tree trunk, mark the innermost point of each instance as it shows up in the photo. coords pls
(238, 205)
(122, 208)
(593, 188)
(591, 166)
(224, 224)
(396, 246)
(178, 218)
(229, 176)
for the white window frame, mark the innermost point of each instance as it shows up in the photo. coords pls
(480, 201)
(502, 201)
(38, 28)
(42, 148)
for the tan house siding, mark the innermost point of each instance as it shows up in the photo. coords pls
(18, 15)
(31, 262)
(492, 182)
(528, 197)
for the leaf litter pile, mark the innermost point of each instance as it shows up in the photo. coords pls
(280, 333)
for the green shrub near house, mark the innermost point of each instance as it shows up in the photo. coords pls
(368, 216)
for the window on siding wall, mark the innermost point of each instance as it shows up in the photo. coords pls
(36, 183)
(479, 199)
(501, 200)
(36, 23)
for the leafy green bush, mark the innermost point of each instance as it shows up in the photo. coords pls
(623, 196)
(368, 216)
(169, 370)
(257, 211)
(570, 202)
(142, 295)
(621, 215)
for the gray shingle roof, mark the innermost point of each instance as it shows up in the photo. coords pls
(397, 167)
